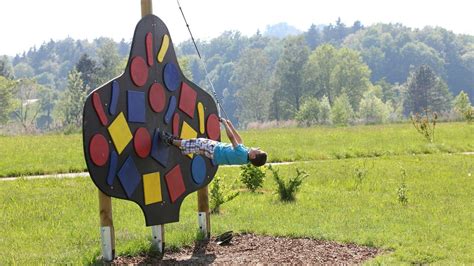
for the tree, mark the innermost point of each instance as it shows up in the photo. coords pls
(336, 34)
(184, 65)
(332, 71)
(462, 104)
(312, 37)
(317, 72)
(6, 95)
(426, 91)
(341, 112)
(6, 69)
(309, 112)
(26, 106)
(373, 110)
(250, 79)
(289, 72)
(89, 70)
(73, 99)
(351, 76)
(47, 102)
(109, 61)
(324, 116)
(23, 70)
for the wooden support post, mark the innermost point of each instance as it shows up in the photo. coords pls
(147, 7)
(107, 233)
(157, 231)
(158, 237)
(204, 216)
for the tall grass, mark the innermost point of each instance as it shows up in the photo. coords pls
(26, 155)
(359, 141)
(41, 154)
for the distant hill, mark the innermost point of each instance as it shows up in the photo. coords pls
(281, 30)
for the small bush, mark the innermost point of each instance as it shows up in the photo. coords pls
(287, 190)
(402, 189)
(219, 195)
(360, 174)
(252, 177)
(470, 115)
(425, 124)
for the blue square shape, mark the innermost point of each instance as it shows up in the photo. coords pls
(136, 106)
(159, 150)
(129, 176)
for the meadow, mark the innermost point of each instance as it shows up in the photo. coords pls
(352, 194)
(46, 154)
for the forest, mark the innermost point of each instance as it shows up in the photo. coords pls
(327, 75)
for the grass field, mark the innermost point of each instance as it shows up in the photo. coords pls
(56, 220)
(29, 155)
(351, 195)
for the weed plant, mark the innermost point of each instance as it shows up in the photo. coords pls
(286, 190)
(219, 195)
(252, 177)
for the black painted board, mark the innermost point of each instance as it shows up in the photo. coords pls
(165, 211)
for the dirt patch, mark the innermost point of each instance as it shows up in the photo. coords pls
(255, 249)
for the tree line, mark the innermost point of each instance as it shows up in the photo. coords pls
(333, 74)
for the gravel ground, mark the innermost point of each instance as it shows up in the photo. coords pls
(255, 249)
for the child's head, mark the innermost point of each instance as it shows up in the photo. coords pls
(257, 157)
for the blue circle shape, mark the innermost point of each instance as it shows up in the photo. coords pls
(171, 77)
(198, 169)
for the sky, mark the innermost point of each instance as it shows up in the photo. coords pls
(26, 23)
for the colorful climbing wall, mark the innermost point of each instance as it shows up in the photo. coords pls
(123, 120)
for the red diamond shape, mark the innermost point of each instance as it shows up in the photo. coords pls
(187, 99)
(175, 184)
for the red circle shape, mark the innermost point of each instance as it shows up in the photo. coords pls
(175, 124)
(142, 142)
(213, 127)
(156, 97)
(99, 150)
(138, 71)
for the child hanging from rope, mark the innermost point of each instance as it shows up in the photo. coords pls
(222, 153)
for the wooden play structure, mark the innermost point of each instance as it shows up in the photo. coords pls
(122, 122)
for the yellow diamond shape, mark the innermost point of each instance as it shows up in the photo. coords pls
(187, 132)
(152, 188)
(120, 133)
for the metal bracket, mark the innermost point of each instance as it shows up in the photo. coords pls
(108, 253)
(202, 219)
(157, 237)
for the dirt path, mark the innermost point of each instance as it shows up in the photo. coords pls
(86, 174)
(255, 249)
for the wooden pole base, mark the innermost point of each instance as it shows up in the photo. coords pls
(204, 217)
(107, 233)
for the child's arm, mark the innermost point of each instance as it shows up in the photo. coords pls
(229, 132)
(238, 138)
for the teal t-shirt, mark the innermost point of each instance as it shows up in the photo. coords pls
(224, 153)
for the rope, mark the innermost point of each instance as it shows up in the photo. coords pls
(202, 62)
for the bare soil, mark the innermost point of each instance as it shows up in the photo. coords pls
(256, 249)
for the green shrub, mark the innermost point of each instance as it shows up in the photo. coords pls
(308, 113)
(462, 106)
(287, 190)
(252, 177)
(219, 195)
(402, 189)
(341, 112)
